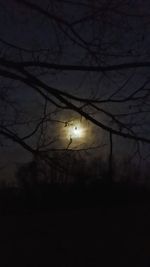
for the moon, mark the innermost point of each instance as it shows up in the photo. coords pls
(75, 131)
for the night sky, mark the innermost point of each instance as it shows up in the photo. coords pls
(71, 36)
(75, 133)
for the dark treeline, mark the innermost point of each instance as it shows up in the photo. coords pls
(71, 182)
(68, 168)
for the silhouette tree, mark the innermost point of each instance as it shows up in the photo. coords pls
(89, 58)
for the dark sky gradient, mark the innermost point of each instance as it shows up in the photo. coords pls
(122, 37)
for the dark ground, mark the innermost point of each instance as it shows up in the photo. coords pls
(99, 226)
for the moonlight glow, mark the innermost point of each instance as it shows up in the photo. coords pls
(75, 131)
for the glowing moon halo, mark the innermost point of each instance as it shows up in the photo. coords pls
(75, 132)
